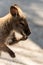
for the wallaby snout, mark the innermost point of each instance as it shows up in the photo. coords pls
(27, 31)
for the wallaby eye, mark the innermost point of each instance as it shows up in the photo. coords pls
(22, 23)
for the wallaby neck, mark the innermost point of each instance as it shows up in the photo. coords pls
(6, 17)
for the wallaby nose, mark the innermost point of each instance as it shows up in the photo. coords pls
(27, 31)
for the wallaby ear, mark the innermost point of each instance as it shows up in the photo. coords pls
(13, 11)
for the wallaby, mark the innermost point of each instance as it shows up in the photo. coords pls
(15, 20)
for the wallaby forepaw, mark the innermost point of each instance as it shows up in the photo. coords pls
(12, 54)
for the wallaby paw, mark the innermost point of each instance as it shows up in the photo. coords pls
(12, 54)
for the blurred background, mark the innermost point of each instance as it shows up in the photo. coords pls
(34, 12)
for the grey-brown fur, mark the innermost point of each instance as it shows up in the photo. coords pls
(12, 21)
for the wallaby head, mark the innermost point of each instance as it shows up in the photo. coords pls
(19, 21)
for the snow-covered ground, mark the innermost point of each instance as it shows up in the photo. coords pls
(29, 52)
